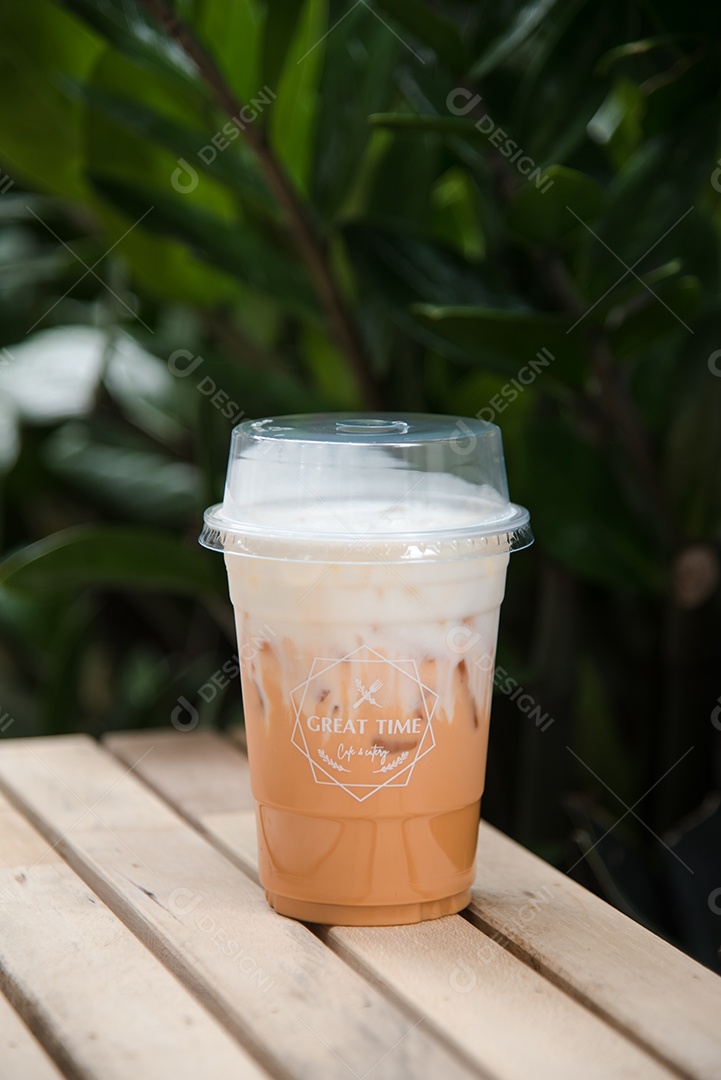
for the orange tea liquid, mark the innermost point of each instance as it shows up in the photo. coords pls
(367, 691)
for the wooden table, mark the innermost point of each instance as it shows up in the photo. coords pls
(135, 943)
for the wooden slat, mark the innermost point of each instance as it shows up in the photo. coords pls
(21, 1055)
(471, 988)
(94, 996)
(269, 980)
(202, 775)
(205, 781)
(627, 974)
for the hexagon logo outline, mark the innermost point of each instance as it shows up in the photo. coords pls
(402, 777)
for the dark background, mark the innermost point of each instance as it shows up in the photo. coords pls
(372, 239)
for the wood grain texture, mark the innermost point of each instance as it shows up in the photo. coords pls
(202, 775)
(496, 1009)
(91, 992)
(201, 778)
(269, 980)
(21, 1055)
(636, 980)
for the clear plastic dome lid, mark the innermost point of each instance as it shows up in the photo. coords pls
(414, 485)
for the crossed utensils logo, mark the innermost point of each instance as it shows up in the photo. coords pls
(367, 695)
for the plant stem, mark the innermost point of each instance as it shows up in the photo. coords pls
(309, 244)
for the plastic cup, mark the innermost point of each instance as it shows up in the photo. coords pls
(367, 562)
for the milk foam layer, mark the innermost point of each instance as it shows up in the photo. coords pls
(442, 611)
(366, 593)
(418, 513)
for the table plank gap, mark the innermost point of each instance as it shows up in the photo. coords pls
(470, 1015)
(645, 987)
(298, 1007)
(22, 1055)
(100, 1004)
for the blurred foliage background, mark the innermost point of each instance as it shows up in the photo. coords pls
(371, 238)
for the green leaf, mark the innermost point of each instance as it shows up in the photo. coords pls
(616, 124)
(113, 558)
(651, 217)
(403, 267)
(403, 177)
(524, 24)
(294, 114)
(162, 267)
(42, 129)
(237, 171)
(260, 388)
(329, 370)
(553, 96)
(227, 245)
(233, 33)
(488, 394)
(456, 217)
(442, 125)
(122, 475)
(356, 80)
(131, 32)
(281, 24)
(507, 341)
(543, 215)
(438, 33)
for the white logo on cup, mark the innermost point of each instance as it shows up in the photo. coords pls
(367, 695)
(363, 750)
